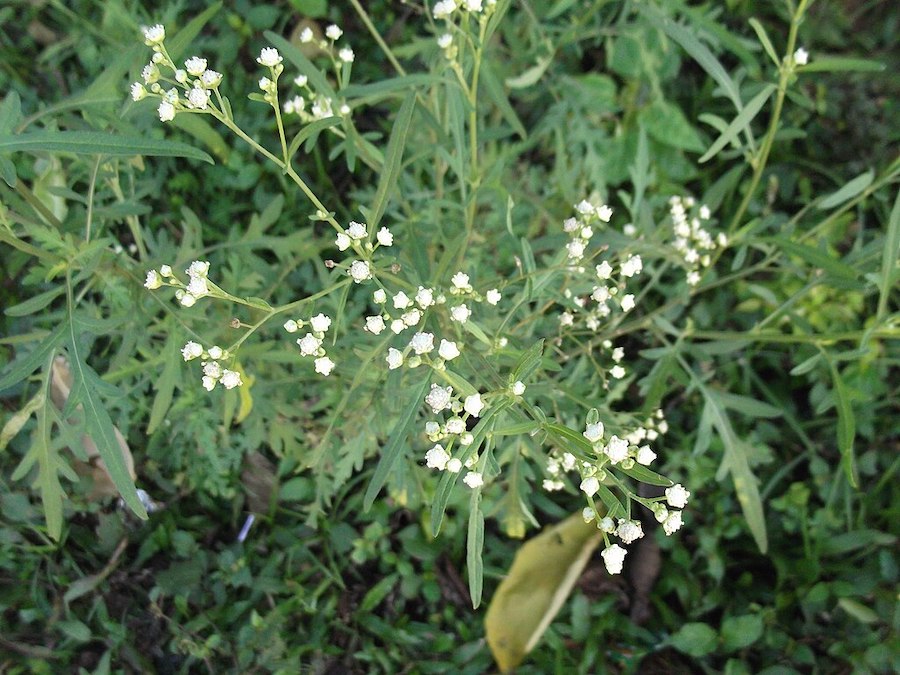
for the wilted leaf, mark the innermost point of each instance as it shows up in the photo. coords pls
(539, 581)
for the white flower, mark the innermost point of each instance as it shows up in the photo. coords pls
(209, 383)
(425, 297)
(584, 207)
(394, 358)
(448, 350)
(166, 111)
(575, 249)
(360, 271)
(588, 514)
(198, 98)
(191, 351)
(439, 398)
(645, 455)
(618, 372)
(705, 212)
(627, 302)
(632, 266)
(618, 354)
(291, 326)
(604, 270)
(306, 35)
(466, 439)
(460, 313)
(379, 297)
(590, 486)
(604, 213)
(473, 479)
(165, 271)
(211, 79)
(552, 485)
(266, 84)
(153, 35)
(153, 281)
(594, 432)
(607, 525)
(801, 57)
(616, 449)
(568, 461)
(473, 5)
(570, 224)
(518, 388)
(231, 379)
(493, 296)
(186, 299)
(375, 324)
(346, 55)
(422, 343)
(195, 66)
(309, 345)
(411, 318)
(197, 287)
(566, 319)
(629, 530)
(672, 523)
(445, 40)
(342, 241)
(333, 32)
(454, 465)
(401, 300)
(460, 281)
(212, 369)
(455, 426)
(269, 57)
(357, 230)
(198, 268)
(324, 366)
(437, 458)
(137, 91)
(384, 237)
(397, 326)
(443, 9)
(677, 496)
(473, 405)
(216, 353)
(614, 558)
(320, 323)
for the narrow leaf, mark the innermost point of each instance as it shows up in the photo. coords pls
(842, 64)
(25, 366)
(311, 132)
(846, 427)
(739, 123)
(889, 257)
(474, 548)
(849, 191)
(765, 41)
(392, 159)
(529, 361)
(99, 143)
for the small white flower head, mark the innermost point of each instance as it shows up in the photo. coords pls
(632, 266)
(375, 324)
(379, 297)
(604, 270)
(454, 465)
(320, 323)
(460, 313)
(197, 287)
(191, 351)
(346, 55)
(432, 429)
(493, 296)
(333, 32)
(186, 299)
(473, 5)
(209, 383)
(181, 76)
(166, 112)
(616, 449)
(324, 365)
(801, 57)
(198, 268)
(401, 300)
(629, 230)
(677, 496)
(466, 439)
(309, 345)
(660, 512)
(195, 66)
(384, 237)
(165, 271)
(584, 207)
(604, 213)
(153, 35)
(570, 225)
(211, 79)
(460, 282)
(618, 354)
(518, 388)
(627, 302)
(397, 326)
(137, 91)
(645, 455)
(269, 57)
(566, 319)
(357, 230)
(437, 458)
(575, 249)
(216, 353)
(306, 35)
(439, 398)
(455, 426)
(394, 358)
(291, 326)
(588, 514)
(705, 212)
(360, 271)
(301, 80)
(473, 405)
(443, 9)
(672, 523)
(473, 479)
(266, 84)
(422, 343)
(445, 40)
(198, 98)
(342, 241)
(552, 485)
(614, 558)
(231, 379)
(607, 525)
(590, 486)
(212, 369)
(448, 350)
(154, 280)
(411, 318)
(617, 372)
(629, 530)
(594, 432)
(425, 297)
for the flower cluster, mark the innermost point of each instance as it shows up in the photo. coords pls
(213, 372)
(311, 343)
(321, 105)
(189, 88)
(692, 241)
(449, 10)
(198, 286)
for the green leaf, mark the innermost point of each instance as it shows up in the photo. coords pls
(165, 385)
(10, 112)
(396, 443)
(311, 132)
(384, 88)
(816, 258)
(741, 631)
(667, 124)
(392, 160)
(529, 361)
(98, 143)
(375, 595)
(739, 123)
(474, 548)
(203, 131)
(644, 475)
(542, 575)
(531, 75)
(25, 366)
(846, 427)
(695, 639)
(765, 41)
(499, 98)
(841, 64)
(888, 258)
(849, 191)
(748, 406)
(35, 304)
